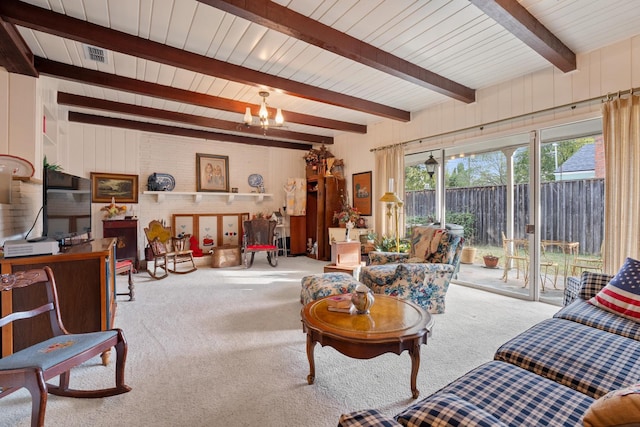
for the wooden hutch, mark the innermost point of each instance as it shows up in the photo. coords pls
(323, 200)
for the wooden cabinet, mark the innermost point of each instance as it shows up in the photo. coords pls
(126, 231)
(323, 200)
(297, 235)
(85, 281)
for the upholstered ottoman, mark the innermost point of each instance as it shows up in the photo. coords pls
(317, 286)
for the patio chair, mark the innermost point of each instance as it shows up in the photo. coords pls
(259, 235)
(515, 256)
(423, 274)
(33, 366)
(165, 256)
(580, 264)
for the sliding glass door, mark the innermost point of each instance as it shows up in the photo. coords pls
(533, 200)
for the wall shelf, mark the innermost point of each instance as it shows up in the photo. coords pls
(198, 195)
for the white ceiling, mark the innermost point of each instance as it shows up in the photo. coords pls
(452, 38)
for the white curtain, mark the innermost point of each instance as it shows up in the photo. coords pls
(389, 165)
(621, 122)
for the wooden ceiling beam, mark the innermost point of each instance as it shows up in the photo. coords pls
(180, 131)
(15, 55)
(113, 81)
(282, 19)
(61, 25)
(522, 24)
(154, 113)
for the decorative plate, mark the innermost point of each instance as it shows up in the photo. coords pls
(16, 165)
(161, 182)
(255, 180)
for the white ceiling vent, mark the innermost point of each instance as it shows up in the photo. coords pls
(97, 54)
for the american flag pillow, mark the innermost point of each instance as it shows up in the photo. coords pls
(622, 294)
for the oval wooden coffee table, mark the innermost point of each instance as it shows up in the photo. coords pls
(393, 326)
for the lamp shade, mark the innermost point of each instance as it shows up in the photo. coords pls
(390, 197)
(247, 116)
(432, 165)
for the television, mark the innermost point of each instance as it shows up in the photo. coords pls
(66, 205)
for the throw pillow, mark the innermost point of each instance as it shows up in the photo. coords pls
(616, 408)
(622, 294)
(424, 241)
(592, 283)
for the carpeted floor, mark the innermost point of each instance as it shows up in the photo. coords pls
(225, 347)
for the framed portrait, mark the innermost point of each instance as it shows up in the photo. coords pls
(212, 172)
(123, 188)
(361, 191)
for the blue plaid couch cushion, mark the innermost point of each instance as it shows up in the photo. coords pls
(585, 359)
(581, 311)
(450, 409)
(368, 418)
(514, 396)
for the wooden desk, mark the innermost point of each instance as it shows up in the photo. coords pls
(85, 278)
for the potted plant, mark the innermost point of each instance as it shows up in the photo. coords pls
(490, 261)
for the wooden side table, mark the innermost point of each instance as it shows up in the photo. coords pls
(126, 231)
(345, 253)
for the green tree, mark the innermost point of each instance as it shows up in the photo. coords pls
(565, 150)
(417, 178)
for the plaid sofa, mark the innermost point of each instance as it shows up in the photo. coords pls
(548, 375)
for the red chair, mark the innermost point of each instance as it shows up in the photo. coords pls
(259, 235)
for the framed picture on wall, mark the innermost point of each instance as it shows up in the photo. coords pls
(361, 191)
(123, 188)
(212, 172)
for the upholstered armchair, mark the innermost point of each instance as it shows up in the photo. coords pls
(423, 274)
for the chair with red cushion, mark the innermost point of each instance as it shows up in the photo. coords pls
(259, 235)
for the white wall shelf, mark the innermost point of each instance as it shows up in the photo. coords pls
(198, 195)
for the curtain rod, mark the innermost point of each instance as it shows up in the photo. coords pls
(572, 105)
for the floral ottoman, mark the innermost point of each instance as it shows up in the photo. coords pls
(317, 286)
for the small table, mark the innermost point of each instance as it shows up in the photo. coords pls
(394, 325)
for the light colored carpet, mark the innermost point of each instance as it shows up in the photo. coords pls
(225, 347)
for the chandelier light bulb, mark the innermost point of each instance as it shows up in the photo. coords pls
(247, 116)
(279, 117)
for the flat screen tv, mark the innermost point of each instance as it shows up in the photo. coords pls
(66, 205)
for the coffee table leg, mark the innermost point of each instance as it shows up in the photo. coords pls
(312, 364)
(414, 352)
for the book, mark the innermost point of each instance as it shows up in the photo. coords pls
(340, 303)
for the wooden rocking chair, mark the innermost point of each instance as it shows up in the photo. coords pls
(31, 367)
(165, 256)
(259, 235)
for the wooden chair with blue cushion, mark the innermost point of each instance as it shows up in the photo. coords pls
(33, 366)
(423, 274)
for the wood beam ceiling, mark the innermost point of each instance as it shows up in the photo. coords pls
(15, 55)
(279, 18)
(40, 19)
(112, 81)
(154, 113)
(180, 131)
(518, 21)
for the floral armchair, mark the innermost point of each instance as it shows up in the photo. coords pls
(423, 274)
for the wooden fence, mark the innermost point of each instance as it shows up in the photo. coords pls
(571, 211)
